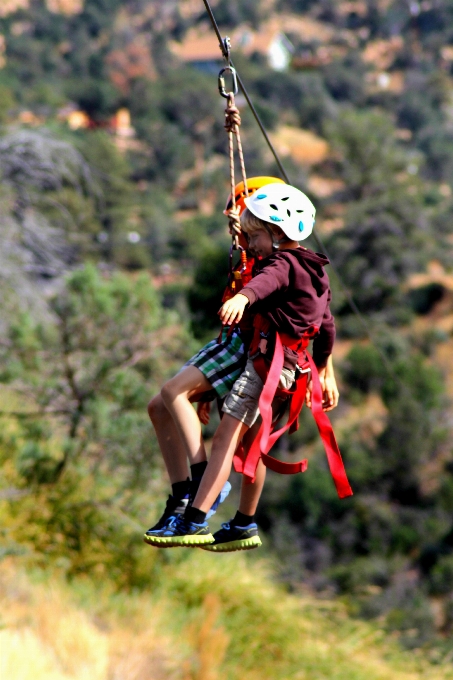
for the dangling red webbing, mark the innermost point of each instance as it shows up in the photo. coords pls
(296, 404)
(265, 439)
(265, 405)
(325, 428)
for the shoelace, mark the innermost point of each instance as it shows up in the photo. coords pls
(179, 523)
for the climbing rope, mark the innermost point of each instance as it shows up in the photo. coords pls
(232, 126)
(232, 123)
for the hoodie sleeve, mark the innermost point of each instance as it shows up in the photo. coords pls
(323, 342)
(274, 276)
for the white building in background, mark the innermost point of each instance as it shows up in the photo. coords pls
(280, 52)
(269, 43)
(202, 49)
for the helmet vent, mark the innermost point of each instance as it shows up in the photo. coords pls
(284, 206)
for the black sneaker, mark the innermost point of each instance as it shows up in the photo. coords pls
(173, 509)
(180, 532)
(231, 538)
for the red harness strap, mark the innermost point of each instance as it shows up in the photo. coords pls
(325, 428)
(265, 439)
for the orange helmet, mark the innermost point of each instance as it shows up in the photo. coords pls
(253, 183)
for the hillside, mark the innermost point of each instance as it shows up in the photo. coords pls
(113, 258)
(224, 624)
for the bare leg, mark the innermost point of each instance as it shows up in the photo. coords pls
(229, 433)
(251, 493)
(176, 395)
(171, 446)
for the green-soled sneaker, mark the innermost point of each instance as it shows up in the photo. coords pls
(181, 533)
(231, 538)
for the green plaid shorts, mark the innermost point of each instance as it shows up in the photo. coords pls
(221, 362)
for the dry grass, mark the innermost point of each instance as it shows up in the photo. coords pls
(207, 619)
(209, 643)
(45, 636)
(302, 145)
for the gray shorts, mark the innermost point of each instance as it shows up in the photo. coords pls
(242, 401)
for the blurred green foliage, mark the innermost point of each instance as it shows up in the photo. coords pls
(85, 350)
(205, 294)
(81, 445)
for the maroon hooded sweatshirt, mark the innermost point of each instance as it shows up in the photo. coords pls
(291, 289)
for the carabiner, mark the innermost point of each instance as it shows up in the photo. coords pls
(243, 259)
(230, 260)
(221, 82)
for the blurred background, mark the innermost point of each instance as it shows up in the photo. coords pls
(113, 258)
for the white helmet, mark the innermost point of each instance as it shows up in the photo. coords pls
(285, 206)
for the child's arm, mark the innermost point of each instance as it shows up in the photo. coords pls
(232, 310)
(330, 393)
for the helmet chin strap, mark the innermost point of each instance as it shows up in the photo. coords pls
(283, 239)
(276, 244)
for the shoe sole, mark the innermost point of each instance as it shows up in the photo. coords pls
(233, 546)
(148, 540)
(179, 541)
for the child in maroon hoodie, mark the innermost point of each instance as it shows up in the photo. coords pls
(291, 290)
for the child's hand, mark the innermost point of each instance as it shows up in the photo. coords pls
(204, 411)
(330, 393)
(308, 393)
(232, 310)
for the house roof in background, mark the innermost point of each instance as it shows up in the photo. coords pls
(197, 46)
(202, 45)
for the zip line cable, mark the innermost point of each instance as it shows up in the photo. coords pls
(224, 46)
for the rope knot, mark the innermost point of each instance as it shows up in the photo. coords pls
(234, 223)
(232, 115)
